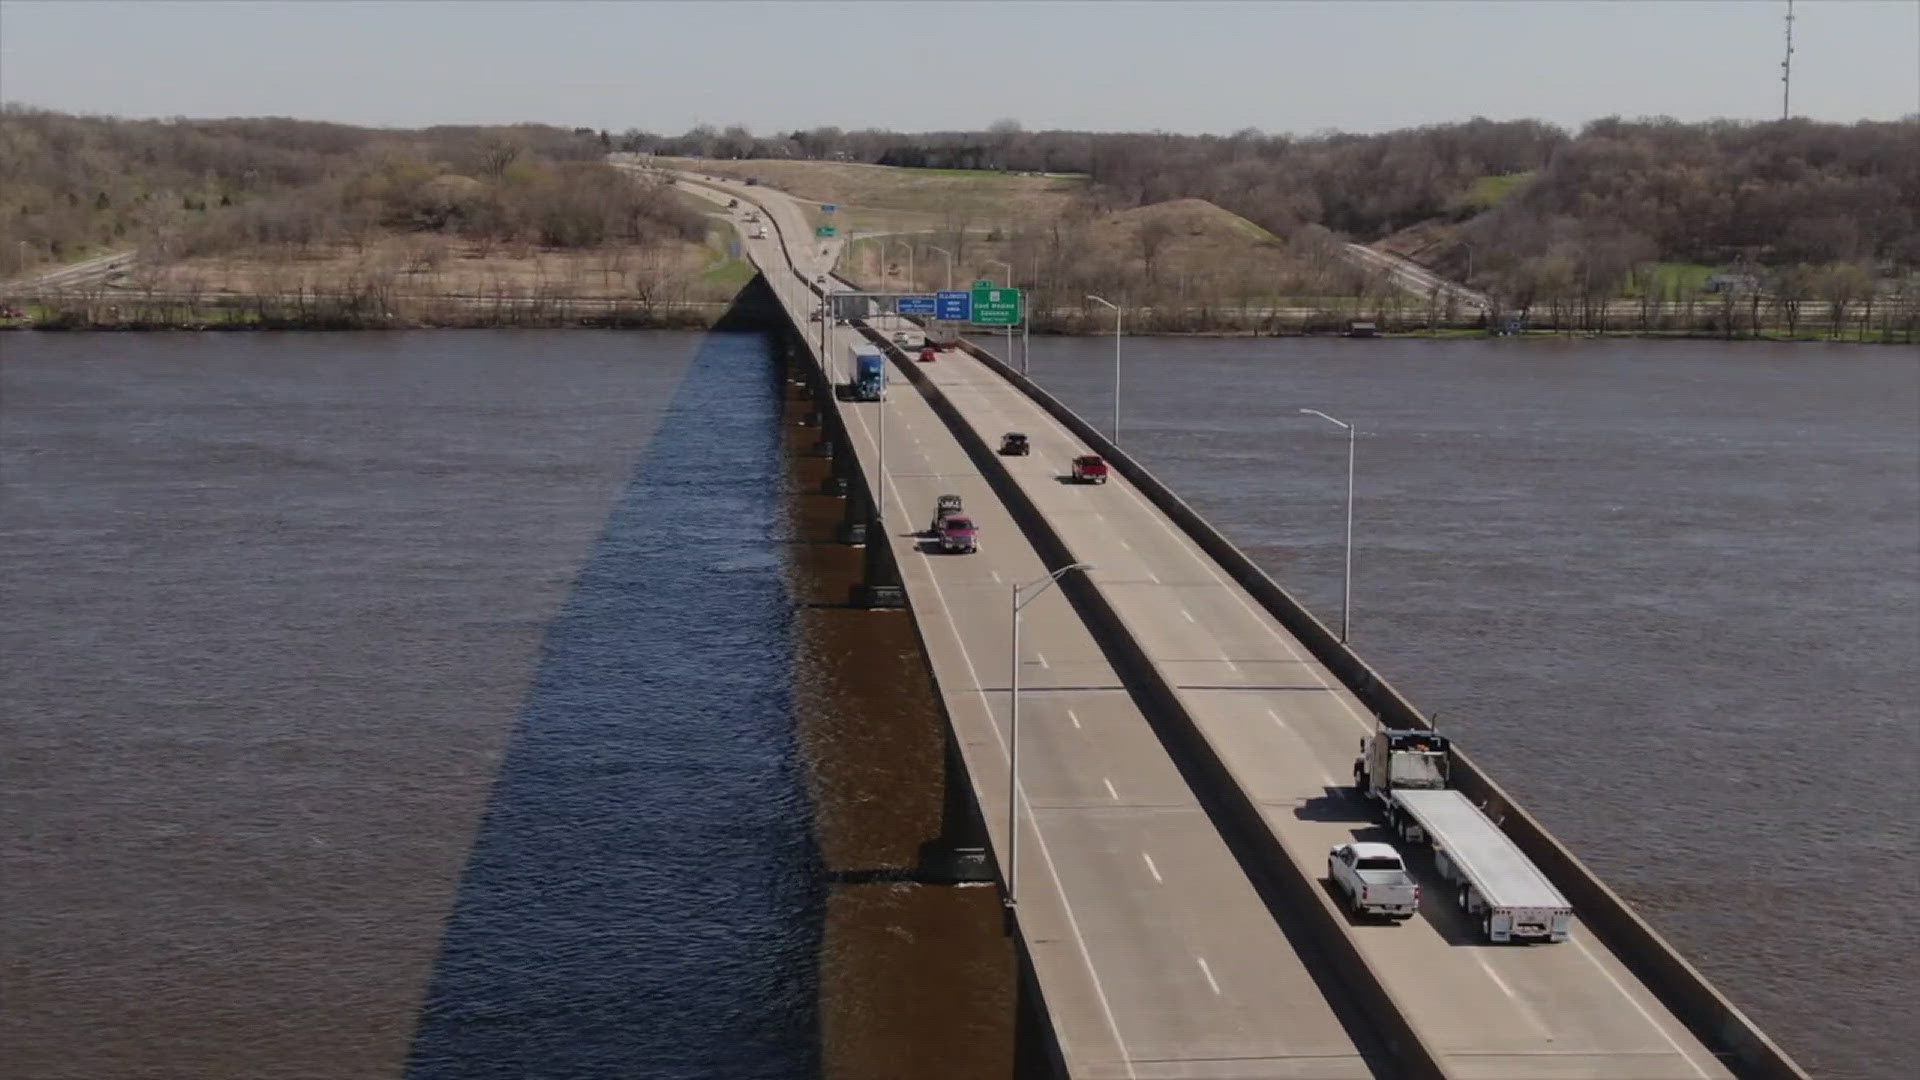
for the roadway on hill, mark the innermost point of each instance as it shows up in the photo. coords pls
(1155, 955)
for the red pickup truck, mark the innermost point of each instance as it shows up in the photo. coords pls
(958, 536)
(1089, 469)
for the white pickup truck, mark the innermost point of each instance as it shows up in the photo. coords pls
(1374, 880)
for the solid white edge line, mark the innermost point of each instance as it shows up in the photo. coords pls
(1040, 836)
(1641, 1009)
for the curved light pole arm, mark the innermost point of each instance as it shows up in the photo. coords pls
(1116, 364)
(949, 255)
(1346, 600)
(911, 285)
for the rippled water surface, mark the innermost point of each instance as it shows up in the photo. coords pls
(418, 704)
(1668, 593)
(386, 704)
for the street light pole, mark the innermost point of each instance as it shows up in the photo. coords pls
(826, 327)
(1013, 723)
(880, 496)
(1346, 600)
(1116, 364)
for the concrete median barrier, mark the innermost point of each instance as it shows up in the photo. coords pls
(1679, 986)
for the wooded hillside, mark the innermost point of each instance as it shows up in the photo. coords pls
(75, 185)
(1514, 203)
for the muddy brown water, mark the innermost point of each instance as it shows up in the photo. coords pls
(480, 704)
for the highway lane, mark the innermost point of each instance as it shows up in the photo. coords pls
(1288, 731)
(1156, 957)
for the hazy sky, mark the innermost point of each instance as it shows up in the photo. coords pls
(1174, 66)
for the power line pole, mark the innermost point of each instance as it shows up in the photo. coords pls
(1786, 69)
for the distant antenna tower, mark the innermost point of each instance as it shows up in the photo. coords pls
(1786, 69)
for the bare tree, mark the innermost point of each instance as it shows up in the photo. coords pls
(1151, 236)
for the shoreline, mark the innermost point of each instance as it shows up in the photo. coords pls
(242, 312)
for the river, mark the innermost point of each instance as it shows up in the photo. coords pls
(420, 704)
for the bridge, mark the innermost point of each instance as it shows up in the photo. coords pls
(1185, 731)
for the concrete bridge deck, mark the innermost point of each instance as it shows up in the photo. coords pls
(1155, 954)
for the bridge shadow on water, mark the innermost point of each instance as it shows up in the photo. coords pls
(644, 896)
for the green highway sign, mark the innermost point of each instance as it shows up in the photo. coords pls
(825, 231)
(995, 307)
(982, 283)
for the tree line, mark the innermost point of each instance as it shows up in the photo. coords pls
(71, 185)
(1520, 206)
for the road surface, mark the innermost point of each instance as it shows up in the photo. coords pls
(1286, 729)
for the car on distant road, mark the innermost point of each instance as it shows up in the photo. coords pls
(758, 233)
(1374, 880)
(958, 536)
(1089, 469)
(1014, 444)
(927, 354)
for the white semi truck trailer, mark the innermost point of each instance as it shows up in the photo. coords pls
(1405, 771)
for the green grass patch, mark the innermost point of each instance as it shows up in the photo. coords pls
(1488, 191)
(731, 274)
(1670, 280)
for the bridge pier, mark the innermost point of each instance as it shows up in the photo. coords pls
(960, 853)
(859, 513)
(837, 480)
(881, 587)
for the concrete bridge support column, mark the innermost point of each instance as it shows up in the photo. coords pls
(960, 852)
(859, 513)
(839, 479)
(882, 587)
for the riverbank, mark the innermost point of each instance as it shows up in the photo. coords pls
(412, 313)
(1895, 322)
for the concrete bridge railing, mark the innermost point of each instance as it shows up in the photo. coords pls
(1717, 1022)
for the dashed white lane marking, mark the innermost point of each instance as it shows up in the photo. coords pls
(1326, 777)
(1042, 657)
(1187, 614)
(1153, 577)
(1110, 791)
(1126, 545)
(996, 576)
(1524, 1009)
(1191, 551)
(1152, 869)
(1073, 716)
(1208, 972)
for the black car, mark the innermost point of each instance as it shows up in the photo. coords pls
(1014, 443)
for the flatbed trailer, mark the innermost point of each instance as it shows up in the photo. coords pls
(1492, 880)
(1406, 772)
